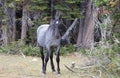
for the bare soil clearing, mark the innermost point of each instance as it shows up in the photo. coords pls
(14, 66)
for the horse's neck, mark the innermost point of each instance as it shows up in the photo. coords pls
(51, 28)
(50, 31)
(53, 32)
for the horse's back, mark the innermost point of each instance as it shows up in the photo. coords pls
(41, 34)
(43, 27)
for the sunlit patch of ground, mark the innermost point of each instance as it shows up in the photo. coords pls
(14, 66)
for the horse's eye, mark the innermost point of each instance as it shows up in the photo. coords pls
(57, 22)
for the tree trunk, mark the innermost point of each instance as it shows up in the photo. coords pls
(86, 29)
(12, 26)
(8, 26)
(24, 22)
(4, 25)
(53, 11)
(1, 39)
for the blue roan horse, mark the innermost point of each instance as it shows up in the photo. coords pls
(48, 36)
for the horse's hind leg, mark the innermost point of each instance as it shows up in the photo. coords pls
(42, 57)
(58, 59)
(51, 59)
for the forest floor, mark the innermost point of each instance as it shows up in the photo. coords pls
(15, 66)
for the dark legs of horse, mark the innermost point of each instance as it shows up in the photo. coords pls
(58, 60)
(42, 57)
(46, 60)
(51, 59)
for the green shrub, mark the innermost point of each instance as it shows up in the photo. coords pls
(83, 51)
(12, 48)
(31, 51)
(67, 49)
(107, 59)
(4, 50)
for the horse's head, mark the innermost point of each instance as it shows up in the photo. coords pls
(55, 24)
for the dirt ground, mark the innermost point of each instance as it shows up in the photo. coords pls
(15, 66)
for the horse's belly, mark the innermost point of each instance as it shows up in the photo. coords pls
(56, 42)
(53, 43)
(41, 41)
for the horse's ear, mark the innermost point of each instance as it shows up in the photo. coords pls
(51, 21)
(58, 13)
(61, 21)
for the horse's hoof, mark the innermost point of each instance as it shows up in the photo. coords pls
(59, 74)
(53, 70)
(43, 72)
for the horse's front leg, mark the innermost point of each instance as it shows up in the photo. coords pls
(58, 59)
(46, 60)
(51, 59)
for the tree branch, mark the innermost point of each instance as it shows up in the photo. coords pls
(69, 69)
(70, 28)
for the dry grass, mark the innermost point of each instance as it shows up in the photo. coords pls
(14, 66)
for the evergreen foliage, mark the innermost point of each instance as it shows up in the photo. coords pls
(1, 12)
(39, 5)
(70, 9)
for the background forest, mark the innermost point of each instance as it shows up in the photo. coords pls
(96, 33)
